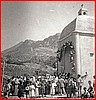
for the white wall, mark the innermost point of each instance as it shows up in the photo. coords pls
(86, 60)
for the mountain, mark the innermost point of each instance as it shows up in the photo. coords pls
(35, 55)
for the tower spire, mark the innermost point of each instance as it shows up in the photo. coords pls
(83, 11)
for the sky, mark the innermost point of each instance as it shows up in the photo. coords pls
(37, 20)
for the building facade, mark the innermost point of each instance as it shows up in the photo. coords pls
(76, 47)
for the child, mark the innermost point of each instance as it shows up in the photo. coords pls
(73, 90)
(85, 94)
(90, 90)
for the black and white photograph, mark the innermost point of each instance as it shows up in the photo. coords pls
(48, 49)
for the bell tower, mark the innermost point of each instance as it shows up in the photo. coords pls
(83, 11)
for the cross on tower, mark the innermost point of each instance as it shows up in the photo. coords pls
(82, 6)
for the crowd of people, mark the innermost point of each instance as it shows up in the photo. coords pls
(43, 86)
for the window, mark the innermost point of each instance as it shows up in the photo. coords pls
(84, 13)
(91, 54)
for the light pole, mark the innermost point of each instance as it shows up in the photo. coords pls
(4, 60)
(57, 61)
(3, 68)
(57, 67)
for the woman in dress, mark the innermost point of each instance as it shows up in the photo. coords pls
(16, 87)
(37, 86)
(53, 86)
(21, 90)
(27, 90)
(32, 90)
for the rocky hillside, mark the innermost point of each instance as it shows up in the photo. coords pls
(33, 55)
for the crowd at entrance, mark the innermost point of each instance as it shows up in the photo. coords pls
(43, 86)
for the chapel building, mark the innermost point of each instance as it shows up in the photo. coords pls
(76, 47)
